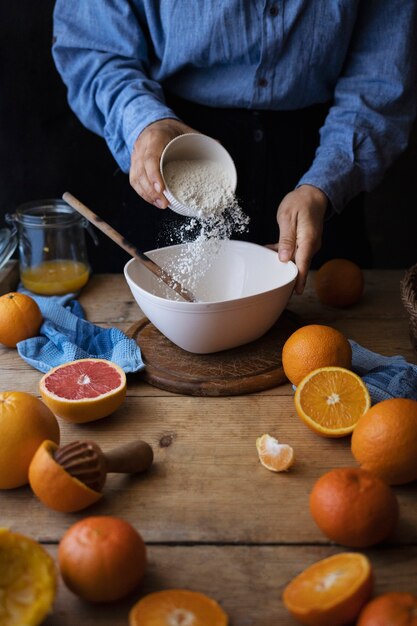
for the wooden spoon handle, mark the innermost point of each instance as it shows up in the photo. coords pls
(108, 230)
(131, 458)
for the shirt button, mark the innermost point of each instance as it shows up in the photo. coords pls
(258, 135)
(262, 82)
(273, 11)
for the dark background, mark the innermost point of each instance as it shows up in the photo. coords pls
(44, 151)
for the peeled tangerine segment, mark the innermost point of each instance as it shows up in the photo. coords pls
(27, 580)
(177, 607)
(273, 455)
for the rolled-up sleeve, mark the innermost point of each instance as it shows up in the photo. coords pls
(369, 124)
(101, 53)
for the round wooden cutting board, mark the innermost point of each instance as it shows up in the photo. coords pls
(255, 366)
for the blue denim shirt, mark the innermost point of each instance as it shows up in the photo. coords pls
(114, 56)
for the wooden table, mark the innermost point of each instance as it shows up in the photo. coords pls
(213, 518)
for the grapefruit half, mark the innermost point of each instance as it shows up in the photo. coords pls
(84, 390)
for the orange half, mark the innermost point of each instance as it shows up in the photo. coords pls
(331, 591)
(330, 400)
(177, 607)
(28, 580)
(54, 486)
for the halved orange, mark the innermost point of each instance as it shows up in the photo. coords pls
(28, 580)
(54, 486)
(330, 400)
(331, 591)
(177, 607)
(273, 455)
(84, 390)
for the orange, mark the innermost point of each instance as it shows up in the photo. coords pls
(20, 318)
(314, 346)
(273, 455)
(177, 607)
(385, 440)
(102, 558)
(354, 507)
(54, 486)
(330, 592)
(330, 400)
(390, 609)
(28, 580)
(339, 283)
(24, 423)
(84, 390)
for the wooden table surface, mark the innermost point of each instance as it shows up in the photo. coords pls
(213, 518)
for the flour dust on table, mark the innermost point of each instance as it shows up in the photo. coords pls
(203, 186)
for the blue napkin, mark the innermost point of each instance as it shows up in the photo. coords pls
(66, 335)
(385, 376)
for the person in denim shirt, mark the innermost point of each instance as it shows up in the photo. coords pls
(314, 100)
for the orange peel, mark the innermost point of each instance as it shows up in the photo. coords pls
(54, 486)
(28, 580)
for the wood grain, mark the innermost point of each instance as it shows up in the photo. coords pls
(256, 366)
(213, 518)
(247, 581)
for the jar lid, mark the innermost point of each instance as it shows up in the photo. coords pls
(8, 243)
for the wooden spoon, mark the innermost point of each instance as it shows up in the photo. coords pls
(128, 247)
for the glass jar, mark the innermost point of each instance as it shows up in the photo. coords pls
(52, 249)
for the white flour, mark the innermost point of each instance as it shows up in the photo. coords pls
(203, 186)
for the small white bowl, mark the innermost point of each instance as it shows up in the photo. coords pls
(189, 147)
(243, 292)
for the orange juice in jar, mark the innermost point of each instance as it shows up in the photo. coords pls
(52, 248)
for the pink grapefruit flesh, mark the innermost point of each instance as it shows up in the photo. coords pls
(83, 379)
(84, 390)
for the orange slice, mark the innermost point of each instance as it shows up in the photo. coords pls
(54, 486)
(330, 592)
(84, 390)
(177, 607)
(330, 400)
(273, 455)
(27, 580)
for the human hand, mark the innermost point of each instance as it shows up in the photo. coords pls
(300, 219)
(145, 176)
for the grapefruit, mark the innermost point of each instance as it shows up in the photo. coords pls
(25, 422)
(84, 390)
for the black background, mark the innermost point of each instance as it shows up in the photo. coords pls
(44, 151)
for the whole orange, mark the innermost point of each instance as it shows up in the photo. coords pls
(385, 440)
(339, 283)
(25, 422)
(20, 318)
(102, 558)
(354, 507)
(390, 609)
(314, 346)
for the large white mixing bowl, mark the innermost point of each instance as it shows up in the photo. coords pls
(241, 293)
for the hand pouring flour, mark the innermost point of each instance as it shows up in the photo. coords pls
(200, 182)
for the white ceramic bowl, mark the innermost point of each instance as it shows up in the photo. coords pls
(241, 294)
(194, 146)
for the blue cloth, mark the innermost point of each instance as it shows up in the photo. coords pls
(116, 58)
(67, 336)
(385, 376)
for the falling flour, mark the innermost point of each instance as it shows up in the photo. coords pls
(204, 187)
